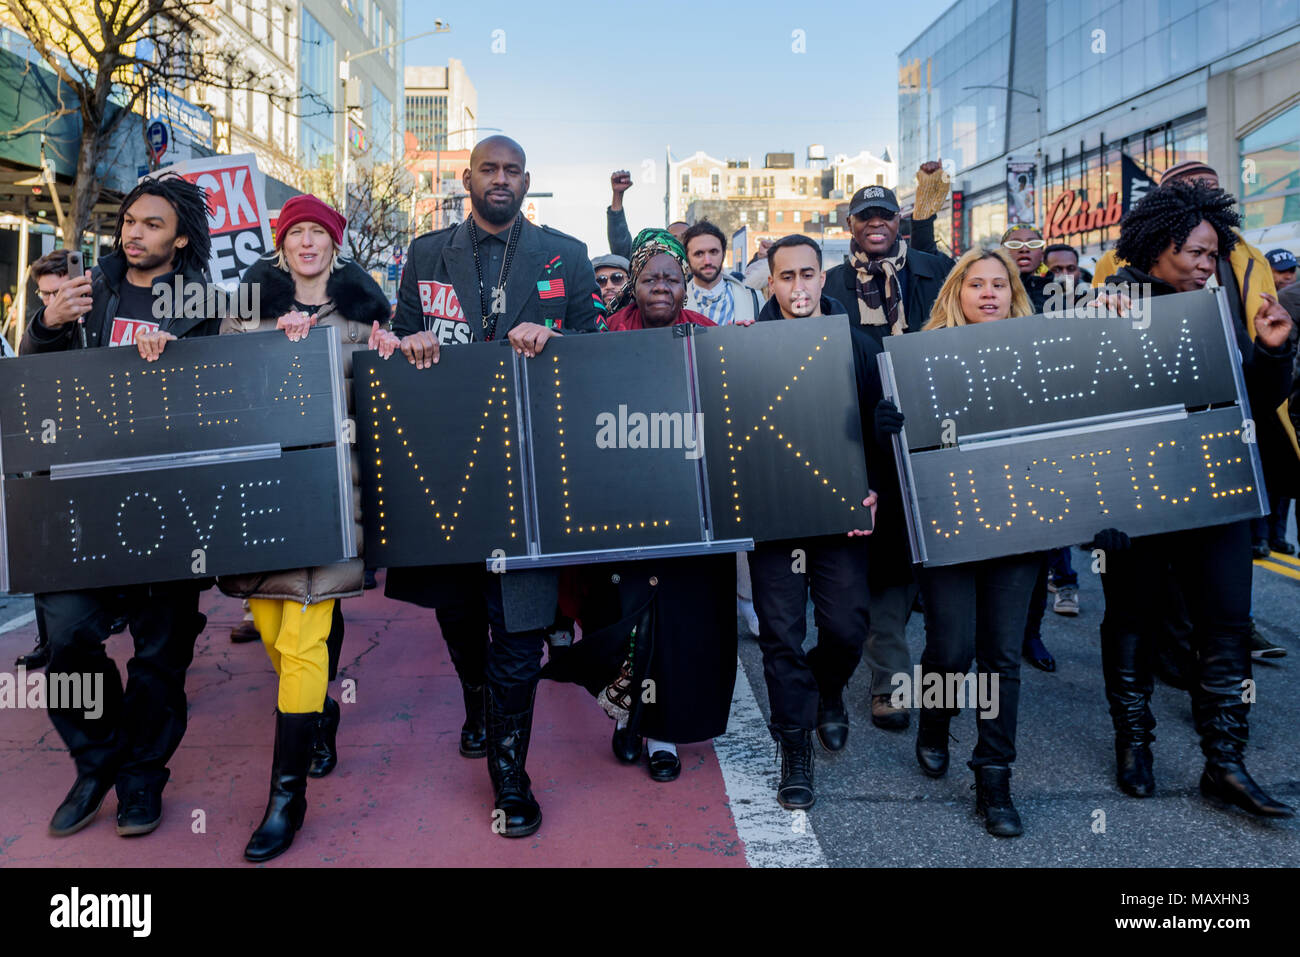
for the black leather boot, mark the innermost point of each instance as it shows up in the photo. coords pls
(1222, 719)
(932, 741)
(287, 803)
(515, 810)
(993, 800)
(38, 657)
(81, 805)
(832, 720)
(1133, 771)
(1128, 692)
(325, 749)
(473, 733)
(795, 792)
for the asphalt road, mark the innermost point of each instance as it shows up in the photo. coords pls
(874, 807)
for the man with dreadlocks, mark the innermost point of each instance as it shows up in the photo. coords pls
(162, 230)
(1172, 241)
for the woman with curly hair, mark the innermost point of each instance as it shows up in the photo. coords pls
(1172, 241)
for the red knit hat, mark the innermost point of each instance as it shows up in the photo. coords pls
(309, 209)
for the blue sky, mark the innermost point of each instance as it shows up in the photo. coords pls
(591, 87)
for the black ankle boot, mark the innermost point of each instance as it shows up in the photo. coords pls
(1133, 770)
(832, 720)
(993, 800)
(325, 749)
(795, 792)
(1228, 782)
(287, 804)
(515, 810)
(473, 733)
(932, 742)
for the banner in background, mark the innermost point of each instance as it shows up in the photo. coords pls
(238, 218)
(1136, 182)
(1020, 192)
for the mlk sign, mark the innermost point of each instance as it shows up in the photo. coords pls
(1035, 433)
(611, 446)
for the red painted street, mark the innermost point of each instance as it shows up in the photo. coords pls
(401, 796)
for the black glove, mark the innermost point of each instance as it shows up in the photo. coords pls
(889, 421)
(1110, 540)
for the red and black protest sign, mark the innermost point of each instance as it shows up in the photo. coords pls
(237, 215)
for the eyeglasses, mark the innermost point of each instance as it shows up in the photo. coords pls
(617, 278)
(877, 212)
(46, 296)
(1025, 244)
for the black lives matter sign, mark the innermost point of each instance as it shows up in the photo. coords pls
(660, 441)
(227, 455)
(1036, 433)
(237, 215)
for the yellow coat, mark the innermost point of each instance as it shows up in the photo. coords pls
(1254, 276)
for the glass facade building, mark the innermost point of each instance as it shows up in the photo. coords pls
(317, 87)
(1110, 77)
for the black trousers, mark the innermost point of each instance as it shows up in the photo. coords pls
(1212, 567)
(834, 569)
(514, 658)
(465, 629)
(977, 611)
(140, 726)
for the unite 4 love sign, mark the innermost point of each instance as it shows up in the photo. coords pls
(227, 455)
(1036, 433)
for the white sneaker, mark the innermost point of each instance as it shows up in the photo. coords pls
(1067, 600)
(746, 609)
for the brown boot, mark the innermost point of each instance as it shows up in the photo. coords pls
(885, 715)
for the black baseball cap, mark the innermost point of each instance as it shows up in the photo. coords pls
(873, 196)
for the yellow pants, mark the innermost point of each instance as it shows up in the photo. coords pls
(295, 637)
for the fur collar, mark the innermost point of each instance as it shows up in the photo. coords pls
(355, 295)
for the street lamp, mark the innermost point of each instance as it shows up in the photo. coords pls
(1039, 166)
(345, 71)
(437, 166)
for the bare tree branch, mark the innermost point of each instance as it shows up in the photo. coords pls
(109, 64)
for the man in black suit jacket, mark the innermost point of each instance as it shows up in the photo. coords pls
(495, 276)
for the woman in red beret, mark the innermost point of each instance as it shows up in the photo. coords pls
(307, 283)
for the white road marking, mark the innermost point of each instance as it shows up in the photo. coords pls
(15, 623)
(773, 836)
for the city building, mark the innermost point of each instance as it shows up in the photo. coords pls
(441, 129)
(441, 106)
(1072, 90)
(777, 198)
(338, 32)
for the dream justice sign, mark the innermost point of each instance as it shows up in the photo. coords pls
(1028, 434)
